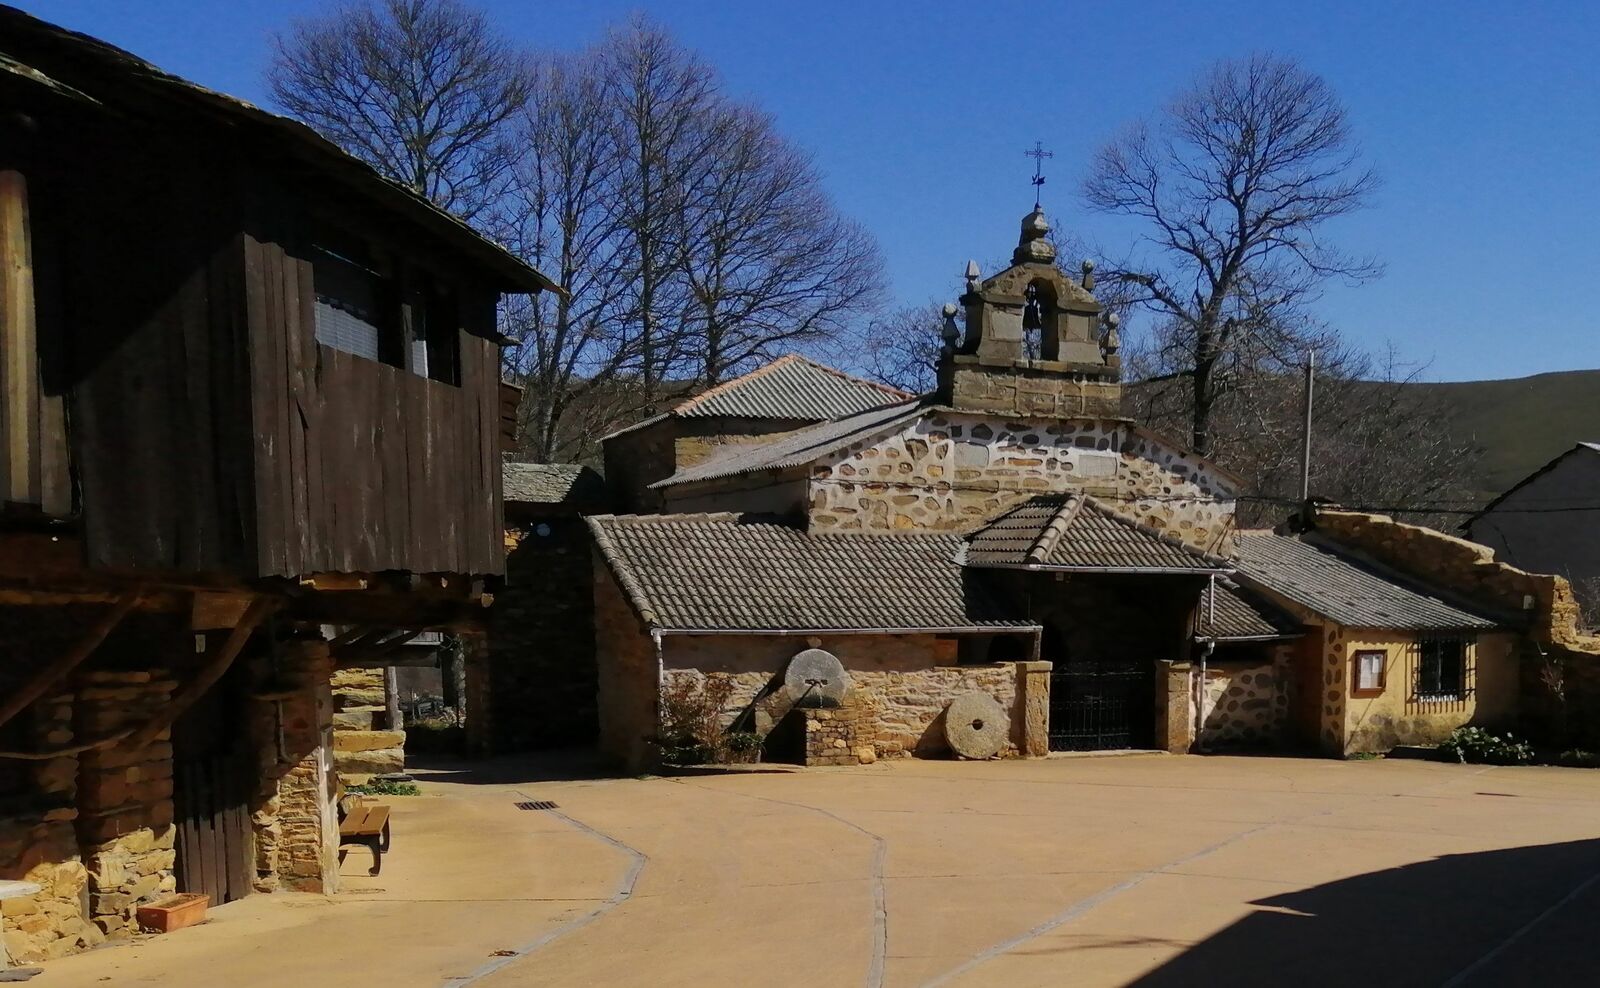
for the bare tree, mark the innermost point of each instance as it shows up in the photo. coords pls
(770, 265)
(424, 90)
(565, 220)
(901, 348)
(658, 95)
(1235, 181)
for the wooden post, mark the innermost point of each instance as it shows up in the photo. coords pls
(19, 350)
(391, 694)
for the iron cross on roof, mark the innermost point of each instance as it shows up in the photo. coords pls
(1038, 154)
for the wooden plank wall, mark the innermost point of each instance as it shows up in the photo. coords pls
(360, 466)
(152, 303)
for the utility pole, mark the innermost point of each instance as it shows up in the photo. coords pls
(1305, 451)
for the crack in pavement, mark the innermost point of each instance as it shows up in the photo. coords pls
(622, 894)
(880, 850)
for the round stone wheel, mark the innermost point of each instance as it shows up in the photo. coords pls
(816, 678)
(975, 726)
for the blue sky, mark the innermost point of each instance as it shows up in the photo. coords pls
(1482, 118)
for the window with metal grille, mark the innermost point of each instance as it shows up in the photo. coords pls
(356, 310)
(1444, 669)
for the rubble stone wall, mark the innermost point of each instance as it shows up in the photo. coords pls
(295, 819)
(125, 806)
(39, 844)
(627, 693)
(900, 685)
(955, 471)
(541, 660)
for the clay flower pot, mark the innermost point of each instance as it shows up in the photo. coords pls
(174, 912)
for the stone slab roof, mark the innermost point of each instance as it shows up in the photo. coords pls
(552, 483)
(733, 572)
(1346, 589)
(1078, 532)
(1237, 614)
(802, 446)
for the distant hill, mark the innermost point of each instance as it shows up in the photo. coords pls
(1522, 423)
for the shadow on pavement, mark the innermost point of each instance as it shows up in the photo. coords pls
(1420, 924)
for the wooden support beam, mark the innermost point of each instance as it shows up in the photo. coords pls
(208, 675)
(53, 673)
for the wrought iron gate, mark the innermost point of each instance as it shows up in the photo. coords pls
(1100, 704)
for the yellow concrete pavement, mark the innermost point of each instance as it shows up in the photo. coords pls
(1151, 870)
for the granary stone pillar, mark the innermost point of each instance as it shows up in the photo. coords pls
(1174, 706)
(295, 818)
(125, 798)
(1033, 699)
(475, 664)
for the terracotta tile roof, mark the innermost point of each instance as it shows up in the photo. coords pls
(1078, 532)
(791, 387)
(729, 572)
(1346, 589)
(802, 446)
(552, 483)
(1236, 613)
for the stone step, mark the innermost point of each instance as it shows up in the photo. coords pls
(367, 740)
(376, 762)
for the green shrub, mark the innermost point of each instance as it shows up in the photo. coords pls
(1578, 758)
(380, 787)
(1478, 746)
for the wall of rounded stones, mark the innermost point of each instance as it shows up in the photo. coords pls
(953, 471)
(1246, 704)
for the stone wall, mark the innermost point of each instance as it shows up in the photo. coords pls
(294, 818)
(541, 661)
(39, 843)
(1246, 698)
(636, 459)
(1468, 569)
(954, 471)
(125, 807)
(364, 742)
(627, 690)
(900, 686)
(833, 736)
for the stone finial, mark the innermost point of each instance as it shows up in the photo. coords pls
(1088, 275)
(1032, 245)
(1110, 340)
(949, 333)
(973, 276)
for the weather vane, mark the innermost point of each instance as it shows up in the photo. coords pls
(1038, 154)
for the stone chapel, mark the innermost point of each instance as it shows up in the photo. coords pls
(1011, 534)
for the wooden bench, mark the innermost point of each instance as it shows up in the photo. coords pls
(366, 824)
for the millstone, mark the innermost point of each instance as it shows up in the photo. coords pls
(816, 678)
(975, 726)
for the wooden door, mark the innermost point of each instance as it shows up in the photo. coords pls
(213, 781)
(1308, 688)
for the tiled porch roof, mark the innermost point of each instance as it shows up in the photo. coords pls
(1078, 532)
(734, 572)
